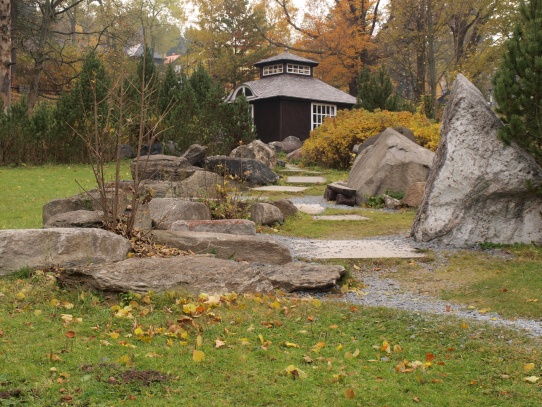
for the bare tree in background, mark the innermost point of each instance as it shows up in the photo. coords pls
(5, 52)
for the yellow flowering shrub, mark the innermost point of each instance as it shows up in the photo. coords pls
(330, 145)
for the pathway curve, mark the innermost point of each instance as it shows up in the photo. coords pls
(387, 292)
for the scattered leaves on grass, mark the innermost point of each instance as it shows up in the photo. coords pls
(349, 393)
(531, 379)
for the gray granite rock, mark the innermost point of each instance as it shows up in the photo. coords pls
(480, 189)
(197, 274)
(259, 248)
(59, 246)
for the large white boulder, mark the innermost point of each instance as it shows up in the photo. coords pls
(480, 189)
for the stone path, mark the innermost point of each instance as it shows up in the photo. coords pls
(280, 188)
(349, 249)
(306, 180)
(340, 217)
(386, 292)
(295, 168)
(299, 170)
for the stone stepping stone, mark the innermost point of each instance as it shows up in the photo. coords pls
(306, 180)
(311, 209)
(293, 167)
(340, 217)
(280, 188)
(352, 249)
(293, 170)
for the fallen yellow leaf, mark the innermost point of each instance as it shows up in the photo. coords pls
(531, 379)
(528, 367)
(292, 345)
(198, 356)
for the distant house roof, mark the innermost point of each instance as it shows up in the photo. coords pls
(295, 86)
(171, 58)
(137, 50)
(286, 56)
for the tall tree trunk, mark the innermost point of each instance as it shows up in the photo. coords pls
(421, 59)
(431, 61)
(5, 52)
(40, 55)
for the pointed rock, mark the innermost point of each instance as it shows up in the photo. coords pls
(479, 189)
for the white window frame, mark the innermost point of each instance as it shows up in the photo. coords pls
(273, 69)
(243, 91)
(298, 69)
(319, 111)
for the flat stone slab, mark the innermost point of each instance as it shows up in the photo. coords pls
(340, 217)
(294, 170)
(201, 274)
(306, 180)
(311, 209)
(351, 249)
(259, 248)
(280, 188)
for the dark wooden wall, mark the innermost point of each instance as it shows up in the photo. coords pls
(275, 119)
(267, 119)
(296, 119)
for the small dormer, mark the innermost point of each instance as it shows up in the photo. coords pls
(286, 63)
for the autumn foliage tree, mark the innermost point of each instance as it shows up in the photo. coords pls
(227, 39)
(340, 37)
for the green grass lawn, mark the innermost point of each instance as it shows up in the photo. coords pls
(80, 348)
(26, 189)
(380, 223)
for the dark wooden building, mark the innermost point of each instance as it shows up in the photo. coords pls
(287, 100)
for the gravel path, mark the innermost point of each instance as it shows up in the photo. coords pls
(386, 292)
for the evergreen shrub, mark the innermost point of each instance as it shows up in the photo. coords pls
(330, 145)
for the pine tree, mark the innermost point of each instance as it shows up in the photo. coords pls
(518, 83)
(238, 124)
(77, 109)
(375, 91)
(170, 89)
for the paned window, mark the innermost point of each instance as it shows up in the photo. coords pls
(319, 112)
(272, 69)
(243, 90)
(298, 69)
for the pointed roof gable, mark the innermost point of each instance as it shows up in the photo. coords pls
(286, 56)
